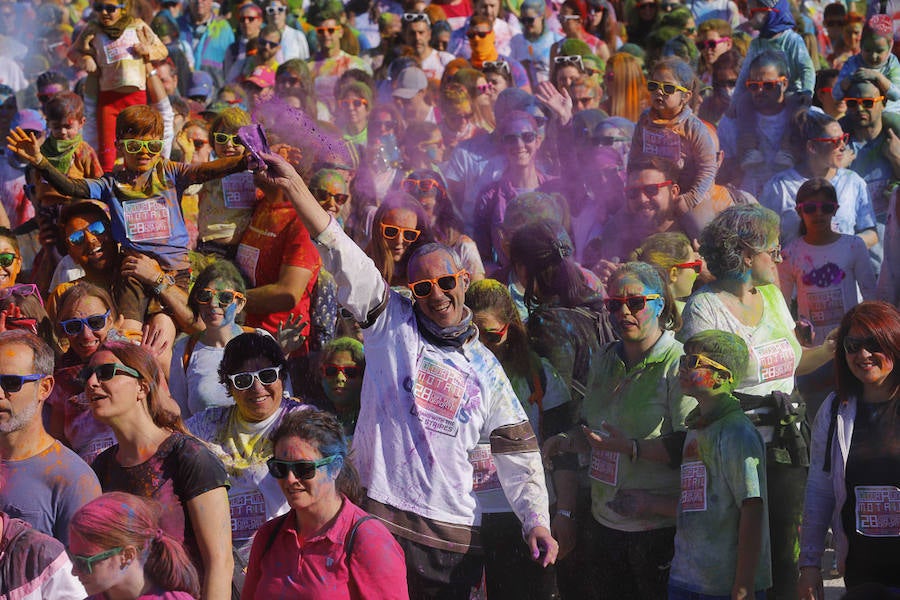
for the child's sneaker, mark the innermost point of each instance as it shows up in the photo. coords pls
(752, 158)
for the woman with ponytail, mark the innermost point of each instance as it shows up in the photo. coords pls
(119, 551)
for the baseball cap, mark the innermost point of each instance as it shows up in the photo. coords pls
(410, 82)
(262, 76)
(202, 84)
(29, 119)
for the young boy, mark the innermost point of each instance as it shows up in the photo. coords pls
(722, 531)
(144, 198)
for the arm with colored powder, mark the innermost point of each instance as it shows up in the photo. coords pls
(26, 146)
(188, 175)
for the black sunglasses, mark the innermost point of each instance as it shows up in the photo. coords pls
(108, 8)
(303, 470)
(322, 196)
(423, 287)
(853, 345)
(106, 371)
(76, 325)
(811, 208)
(13, 383)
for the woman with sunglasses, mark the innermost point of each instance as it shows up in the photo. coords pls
(342, 366)
(822, 146)
(119, 550)
(294, 85)
(332, 190)
(573, 16)
(325, 546)
(675, 257)
(253, 372)
(853, 474)
(741, 249)
(10, 258)
(354, 99)
(156, 458)
(398, 228)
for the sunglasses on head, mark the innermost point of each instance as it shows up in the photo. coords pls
(696, 265)
(76, 325)
(328, 30)
(349, 371)
(106, 371)
(773, 84)
(712, 44)
(574, 60)
(416, 18)
(322, 196)
(244, 380)
(223, 297)
(303, 470)
(837, 142)
(511, 139)
(13, 383)
(354, 102)
(500, 66)
(698, 361)
(7, 258)
(416, 186)
(811, 207)
(79, 236)
(224, 138)
(135, 146)
(275, 10)
(472, 34)
(494, 336)
(267, 44)
(650, 190)
(85, 564)
(108, 8)
(423, 287)
(634, 303)
(390, 232)
(852, 345)
(864, 102)
(667, 88)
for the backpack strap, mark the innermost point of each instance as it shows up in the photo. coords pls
(351, 537)
(275, 531)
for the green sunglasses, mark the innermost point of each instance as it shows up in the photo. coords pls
(7, 258)
(85, 564)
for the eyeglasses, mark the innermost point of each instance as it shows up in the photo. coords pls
(774, 253)
(495, 336)
(495, 65)
(696, 265)
(79, 236)
(853, 345)
(712, 44)
(106, 371)
(7, 258)
(76, 325)
(267, 44)
(574, 60)
(810, 207)
(21, 290)
(416, 186)
(354, 102)
(244, 380)
(108, 8)
(527, 20)
(276, 10)
(328, 30)
(349, 371)
(383, 124)
(772, 84)
(13, 383)
(416, 18)
(223, 297)
(423, 287)
(837, 142)
(390, 232)
(511, 139)
(323, 196)
(651, 190)
(135, 146)
(698, 361)
(634, 303)
(472, 34)
(667, 88)
(224, 138)
(864, 102)
(249, 19)
(302, 469)
(85, 564)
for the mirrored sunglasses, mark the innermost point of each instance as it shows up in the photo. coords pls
(136, 146)
(223, 297)
(79, 236)
(7, 259)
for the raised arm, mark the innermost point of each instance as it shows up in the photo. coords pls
(26, 146)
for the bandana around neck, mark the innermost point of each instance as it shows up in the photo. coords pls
(60, 153)
(446, 337)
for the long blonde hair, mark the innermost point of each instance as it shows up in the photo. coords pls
(626, 87)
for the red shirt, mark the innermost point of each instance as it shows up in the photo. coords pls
(317, 567)
(274, 238)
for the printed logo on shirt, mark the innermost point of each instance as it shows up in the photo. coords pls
(776, 360)
(604, 466)
(664, 143)
(438, 394)
(246, 258)
(693, 487)
(239, 190)
(878, 510)
(484, 471)
(147, 220)
(120, 49)
(826, 306)
(248, 514)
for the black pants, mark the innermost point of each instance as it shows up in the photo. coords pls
(433, 574)
(509, 570)
(631, 565)
(787, 486)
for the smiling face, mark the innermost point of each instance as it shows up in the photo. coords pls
(259, 401)
(143, 160)
(97, 253)
(399, 217)
(872, 369)
(329, 34)
(85, 344)
(303, 494)
(651, 206)
(333, 185)
(444, 307)
(827, 154)
(634, 327)
(20, 410)
(108, 19)
(343, 391)
(105, 574)
(9, 274)
(216, 316)
(520, 142)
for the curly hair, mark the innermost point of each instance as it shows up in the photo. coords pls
(735, 229)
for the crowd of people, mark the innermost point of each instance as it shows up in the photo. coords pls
(463, 300)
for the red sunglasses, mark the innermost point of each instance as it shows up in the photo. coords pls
(696, 265)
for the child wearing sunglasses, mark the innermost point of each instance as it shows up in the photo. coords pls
(876, 57)
(830, 272)
(342, 366)
(673, 254)
(113, 48)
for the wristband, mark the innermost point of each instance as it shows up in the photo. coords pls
(565, 513)
(152, 73)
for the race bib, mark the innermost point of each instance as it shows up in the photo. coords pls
(147, 220)
(605, 466)
(438, 394)
(120, 49)
(239, 190)
(248, 514)
(247, 257)
(878, 510)
(826, 306)
(693, 487)
(484, 472)
(664, 143)
(776, 360)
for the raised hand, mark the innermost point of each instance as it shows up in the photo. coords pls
(289, 334)
(24, 145)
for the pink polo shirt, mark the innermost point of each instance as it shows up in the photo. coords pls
(318, 568)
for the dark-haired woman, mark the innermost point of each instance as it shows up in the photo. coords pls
(325, 546)
(854, 475)
(252, 374)
(156, 458)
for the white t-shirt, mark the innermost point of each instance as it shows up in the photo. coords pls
(435, 63)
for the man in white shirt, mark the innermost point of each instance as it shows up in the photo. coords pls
(417, 33)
